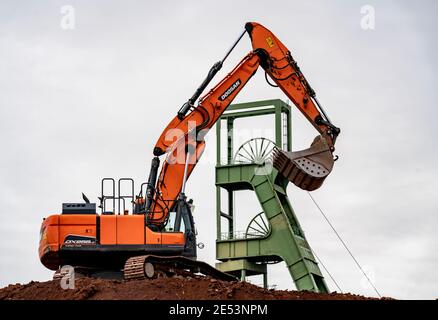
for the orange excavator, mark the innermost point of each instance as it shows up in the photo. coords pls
(159, 237)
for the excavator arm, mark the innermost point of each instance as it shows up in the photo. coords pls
(181, 135)
(182, 140)
(307, 168)
(284, 71)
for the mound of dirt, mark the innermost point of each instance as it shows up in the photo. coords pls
(176, 288)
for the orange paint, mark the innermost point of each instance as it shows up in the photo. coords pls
(130, 229)
(108, 229)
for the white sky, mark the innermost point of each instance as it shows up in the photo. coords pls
(79, 105)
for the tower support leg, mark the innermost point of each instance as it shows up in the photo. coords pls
(243, 275)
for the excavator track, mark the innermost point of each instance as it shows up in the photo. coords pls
(151, 266)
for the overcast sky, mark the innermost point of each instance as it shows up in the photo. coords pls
(77, 105)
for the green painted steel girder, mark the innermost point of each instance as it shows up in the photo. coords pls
(285, 240)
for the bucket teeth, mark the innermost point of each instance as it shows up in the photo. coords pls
(307, 169)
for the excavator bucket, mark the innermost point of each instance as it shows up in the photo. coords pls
(308, 168)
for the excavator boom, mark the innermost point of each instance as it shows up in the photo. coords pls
(307, 169)
(190, 131)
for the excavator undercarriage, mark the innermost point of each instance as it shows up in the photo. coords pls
(150, 266)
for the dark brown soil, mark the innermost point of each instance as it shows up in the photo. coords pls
(177, 288)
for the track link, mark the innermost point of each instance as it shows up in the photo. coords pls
(150, 266)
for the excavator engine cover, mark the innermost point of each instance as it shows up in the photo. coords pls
(308, 168)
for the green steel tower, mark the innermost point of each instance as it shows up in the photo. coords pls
(273, 235)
